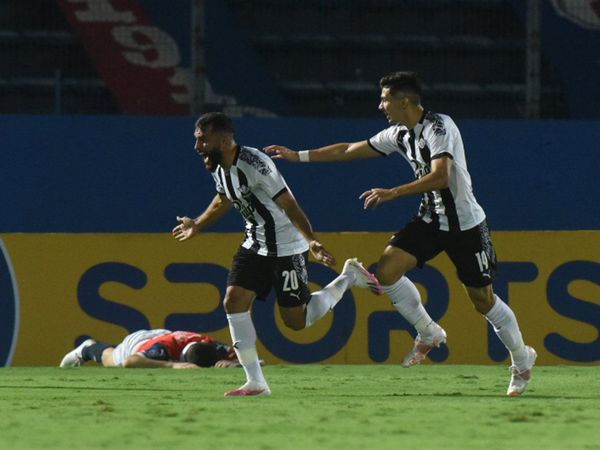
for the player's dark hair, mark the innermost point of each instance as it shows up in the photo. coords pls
(406, 82)
(202, 354)
(215, 121)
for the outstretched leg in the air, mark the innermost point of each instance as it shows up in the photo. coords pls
(319, 303)
(324, 300)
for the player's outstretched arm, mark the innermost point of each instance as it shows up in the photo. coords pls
(141, 362)
(288, 203)
(435, 180)
(335, 152)
(188, 227)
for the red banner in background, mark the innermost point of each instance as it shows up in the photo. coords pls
(138, 61)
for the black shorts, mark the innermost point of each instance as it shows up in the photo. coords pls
(258, 273)
(471, 251)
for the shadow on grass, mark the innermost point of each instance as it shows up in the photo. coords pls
(531, 396)
(95, 388)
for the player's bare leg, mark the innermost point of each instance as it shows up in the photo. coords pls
(238, 302)
(293, 316)
(507, 329)
(393, 264)
(107, 357)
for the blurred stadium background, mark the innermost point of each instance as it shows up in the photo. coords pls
(98, 103)
(500, 59)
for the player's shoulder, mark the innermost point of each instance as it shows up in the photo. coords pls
(389, 134)
(394, 128)
(438, 124)
(256, 159)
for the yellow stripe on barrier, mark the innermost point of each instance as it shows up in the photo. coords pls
(106, 285)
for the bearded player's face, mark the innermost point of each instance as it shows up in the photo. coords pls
(208, 146)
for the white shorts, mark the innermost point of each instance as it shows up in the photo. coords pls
(132, 342)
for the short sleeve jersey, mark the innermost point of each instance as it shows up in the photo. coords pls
(172, 344)
(253, 183)
(435, 136)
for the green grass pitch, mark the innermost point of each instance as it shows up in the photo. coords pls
(312, 407)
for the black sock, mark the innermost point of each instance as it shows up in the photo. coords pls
(94, 351)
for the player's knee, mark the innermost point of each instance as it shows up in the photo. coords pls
(237, 300)
(387, 274)
(233, 304)
(386, 278)
(229, 303)
(392, 265)
(293, 322)
(480, 306)
(482, 299)
(295, 325)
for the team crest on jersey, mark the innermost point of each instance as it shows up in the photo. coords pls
(244, 190)
(250, 158)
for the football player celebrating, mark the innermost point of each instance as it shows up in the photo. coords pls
(274, 252)
(449, 219)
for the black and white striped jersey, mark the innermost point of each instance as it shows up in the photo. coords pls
(253, 183)
(435, 136)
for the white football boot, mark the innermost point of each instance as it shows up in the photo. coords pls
(74, 358)
(423, 346)
(363, 278)
(521, 376)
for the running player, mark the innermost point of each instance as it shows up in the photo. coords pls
(449, 219)
(157, 348)
(275, 249)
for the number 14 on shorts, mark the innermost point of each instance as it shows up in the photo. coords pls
(482, 260)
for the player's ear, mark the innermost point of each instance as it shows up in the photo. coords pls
(226, 138)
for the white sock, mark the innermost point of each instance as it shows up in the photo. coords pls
(407, 301)
(323, 301)
(506, 327)
(243, 336)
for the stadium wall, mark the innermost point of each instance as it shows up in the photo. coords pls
(87, 203)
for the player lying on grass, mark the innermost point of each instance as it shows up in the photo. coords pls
(155, 349)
